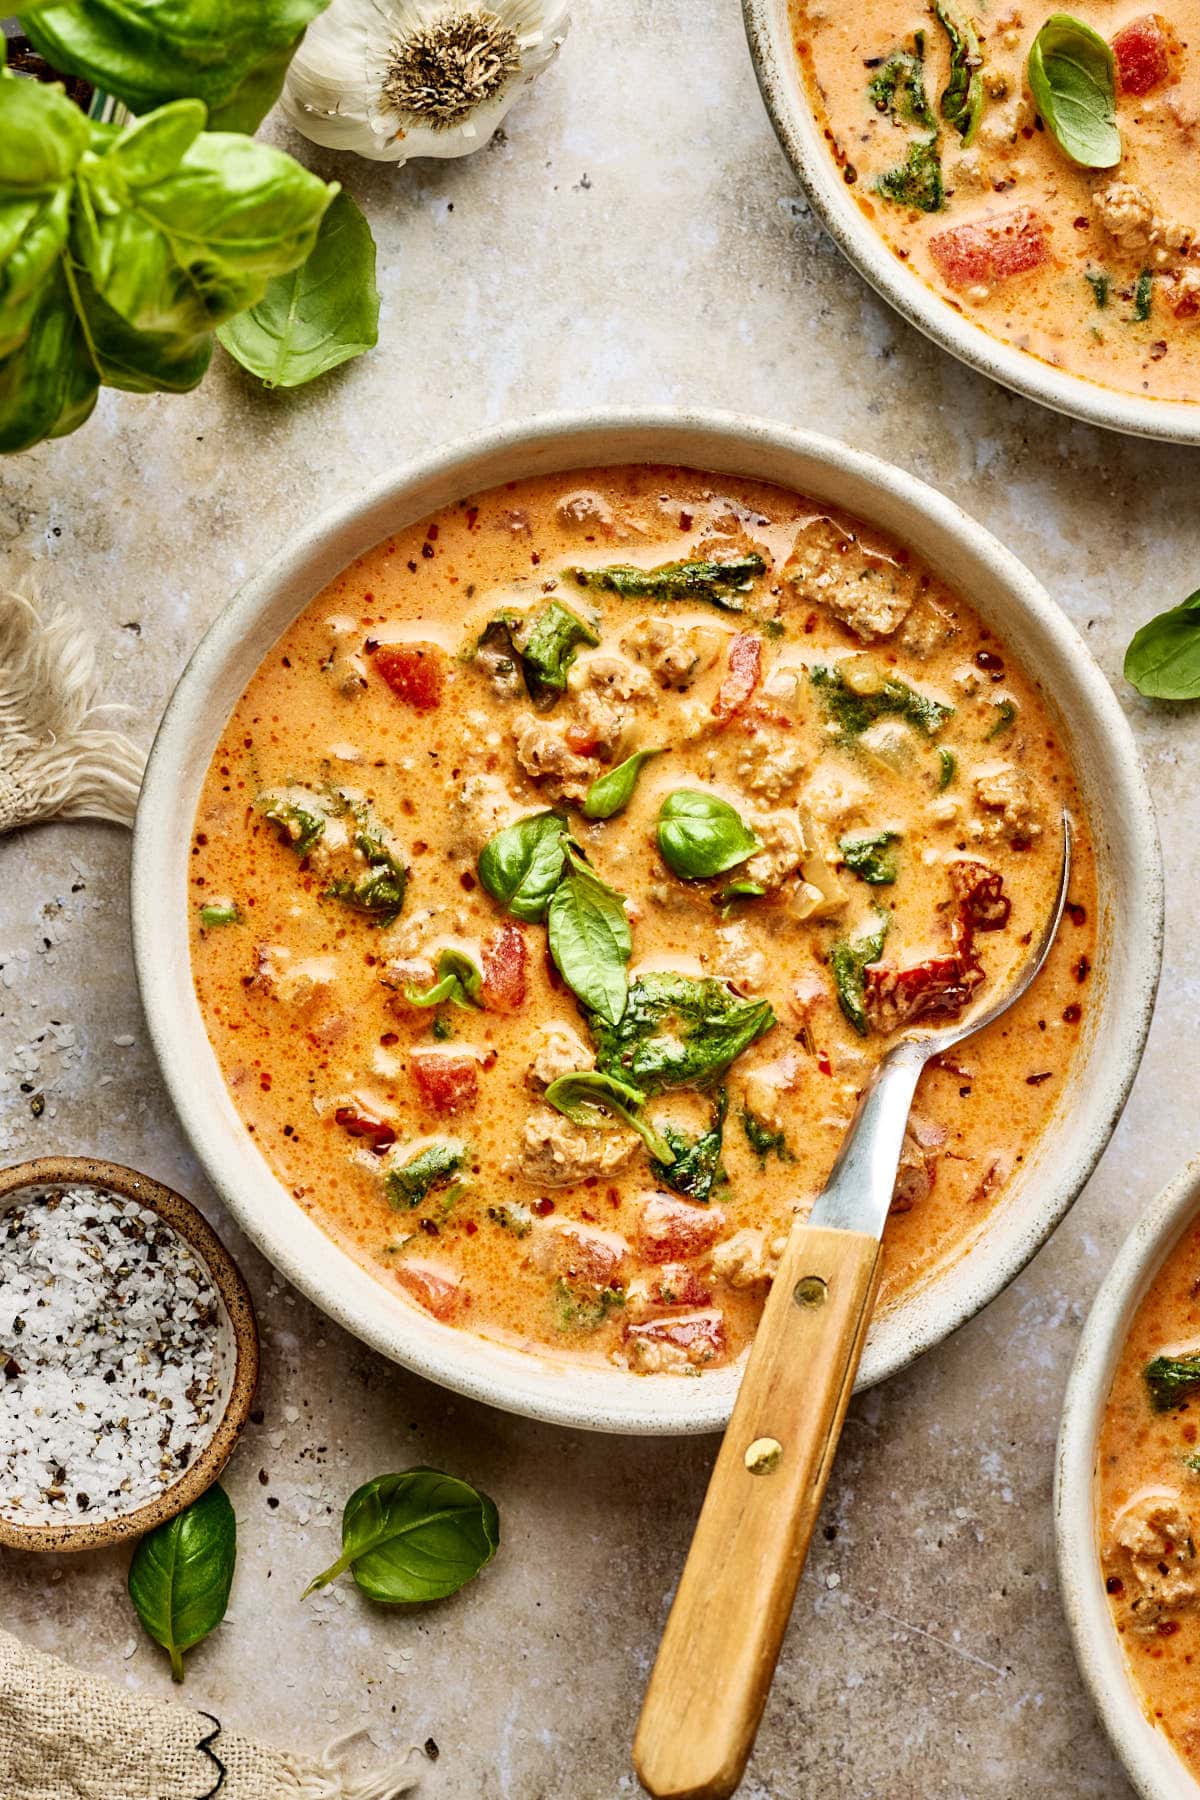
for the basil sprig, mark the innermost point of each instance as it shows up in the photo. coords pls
(1163, 658)
(416, 1536)
(523, 864)
(318, 315)
(611, 793)
(181, 1574)
(1073, 82)
(589, 1097)
(458, 981)
(231, 54)
(590, 941)
(700, 835)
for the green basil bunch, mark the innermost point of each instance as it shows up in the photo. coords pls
(122, 250)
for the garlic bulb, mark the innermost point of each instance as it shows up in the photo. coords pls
(392, 79)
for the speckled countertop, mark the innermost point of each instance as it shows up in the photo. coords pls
(636, 237)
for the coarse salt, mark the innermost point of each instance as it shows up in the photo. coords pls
(110, 1368)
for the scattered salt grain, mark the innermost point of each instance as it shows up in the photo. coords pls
(109, 1376)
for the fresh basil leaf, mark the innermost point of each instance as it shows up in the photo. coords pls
(962, 98)
(523, 864)
(1163, 658)
(866, 856)
(549, 648)
(407, 1184)
(697, 1169)
(231, 54)
(1073, 82)
(853, 712)
(700, 835)
(458, 981)
(589, 1097)
(413, 1537)
(49, 383)
(848, 959)
(917, 181)
(590, 942)
(1143, 296)
(610, 794)
(678, 1031)
(719, 583)
(898, 88)
(181, 1574)
(42, 137)
(319, 315)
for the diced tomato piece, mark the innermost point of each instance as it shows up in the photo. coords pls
(1187, 306)
(741, 677)
(1143, 54)
(582, 740)
(361, 1125)
(938, 988)
(414, 672)
(446, 1083)
(434, 1289)
(581, 1254)
(504, 960)
(677, 1285)
(677, 1343)
(983, 902)
(671, 1230)
(990, 249)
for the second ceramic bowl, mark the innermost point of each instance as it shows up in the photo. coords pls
(1009, 600)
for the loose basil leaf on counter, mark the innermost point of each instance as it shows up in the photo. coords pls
(610, 794)
(590, 942)
(523, 864)
(700, 835)
(458, 981)
(962, 98)
(1073, 82)
(319, 315)
(678, 1031)
(412, 1537)
(231, 54)
(1163, 658)
(898, 88)
(589, 1097)
(181, 1574)
(866, 856)
(917, 181)
(407, 1184)
(848, 959)
(549, 649)
(695, 578)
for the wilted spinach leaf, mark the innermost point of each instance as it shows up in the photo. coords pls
(898, 88)
(678, 1031)
(416, 1536)
(854, 712)
(696, 1170)
(962, 98)
(181, 1574)
(1172, 1379)
(917, 181)
(549, 647)
(458, 981)
(762, 1140)
(589, 1097)
(407, 1184)
(866, 856)
(692, 579)
(848, 959)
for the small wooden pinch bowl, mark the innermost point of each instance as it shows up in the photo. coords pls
(238, 1355)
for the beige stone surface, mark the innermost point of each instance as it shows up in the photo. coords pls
(637, 237)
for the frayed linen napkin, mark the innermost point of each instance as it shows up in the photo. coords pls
(68, 1736)
(59, 758)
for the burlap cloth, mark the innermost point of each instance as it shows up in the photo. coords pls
(68, 1736)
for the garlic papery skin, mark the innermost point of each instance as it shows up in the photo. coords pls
(395, 79)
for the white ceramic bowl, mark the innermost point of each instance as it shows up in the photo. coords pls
(1009, 600)
(1150, 1762)
(771, 46)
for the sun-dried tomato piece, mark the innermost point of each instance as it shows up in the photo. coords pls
(446, 1083)
(414, 672)
(671, 1230)
(742, 676)
(1143, 54)
(378, 1132)
(940, 988)
(990, 249)
(983, 902)
(438, 1291)
(504, 961)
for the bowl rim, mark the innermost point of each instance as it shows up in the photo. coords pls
(724, 443)
(768, 35)
(93, 1533)
(1146, 1752)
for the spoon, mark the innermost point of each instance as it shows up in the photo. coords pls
(718, 1653)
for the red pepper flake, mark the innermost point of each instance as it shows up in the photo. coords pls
(1081, 223)
(1037, 1080)
(467, 881)
(1167, 1627)
(472, 517)
(428, 551)
(264, 1082)
(992, 664)
(470, 1228)
(1082, 970)
(543, 1207)
(389, 1038)
(685, 521)
(810, 624)
(1076, 913)
(431, 532)
(823, 1063)
(1114, 1585)
(1073, 1013)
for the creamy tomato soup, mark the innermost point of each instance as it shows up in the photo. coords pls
(554, 1035)
(1149, 1499)
(1096, 270)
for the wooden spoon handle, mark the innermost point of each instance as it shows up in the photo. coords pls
(710, 1681)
